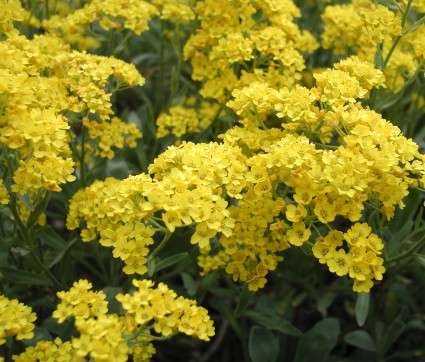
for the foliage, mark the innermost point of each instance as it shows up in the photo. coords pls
(172, 169)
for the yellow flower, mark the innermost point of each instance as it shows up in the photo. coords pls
(339, 262)
(298, 234)
(322, 251)
(15, 319)
(325, 212)
(295, 213)
(359, 270)
(255, 283)
(360, 286)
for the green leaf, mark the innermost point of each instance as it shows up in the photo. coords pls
(387, 102)
(62, 253)
(52, 325)
(273, 321)
(263, 345)
(142, 157)
(140, 58)
(379, 58)
(23, 277)
(420, 259)
(174, 80)
(306, 249)
(151, 267)
(113, 305)
(19, 251)
(244, 300)
(299, 299)
(204, 285)
(318, 342)
(393, 6)
(397, 239)
(415, 25)
(418, 220)
(176, 43)
(133, 117)
(181, 94)
(362, 308)
(265, 305)
(395, 329)
(40, 334)
(412, 202)
(26, 200)
(188, 283)
(416, 324)
(220, 305)
(162, 264)
(222, 291)
(150, 119)
(48, 236)
(38, 210)
(361, 339)
(117, 167)
(325, 301)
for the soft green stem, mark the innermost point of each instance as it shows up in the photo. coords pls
(326, 146)
(38, 210)
(30, 242)
(179, 54)
(24, 230)
(95, 250)
(83, 154)
(397, 40)
(212, 123)
(164, 241)
(195, 20)
(158, 338)
(158, 225)
(159, 90)
(120, 46)
(318, 232)
(139, 331)
(408, 253)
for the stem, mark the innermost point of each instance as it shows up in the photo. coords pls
(317, 230)
(120, 46)
(326, 146)
(159, 92)
(158, 225)
(167, 237)
(397, 40)
(417, 245)
(159, 338)
(38, 210)
(95, 249)
(30, 242)
(215, 119)
(24, 230)
(82, 161)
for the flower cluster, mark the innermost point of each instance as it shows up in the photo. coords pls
(114, 210)
(80, 302)
(187, 117)
(110, 14)
(361, 262)
(306, 157)
(16, 319)
(104, 336)
(365, 30)
(49, 351)
(168, 312)
(45, 87)
(244, 41)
